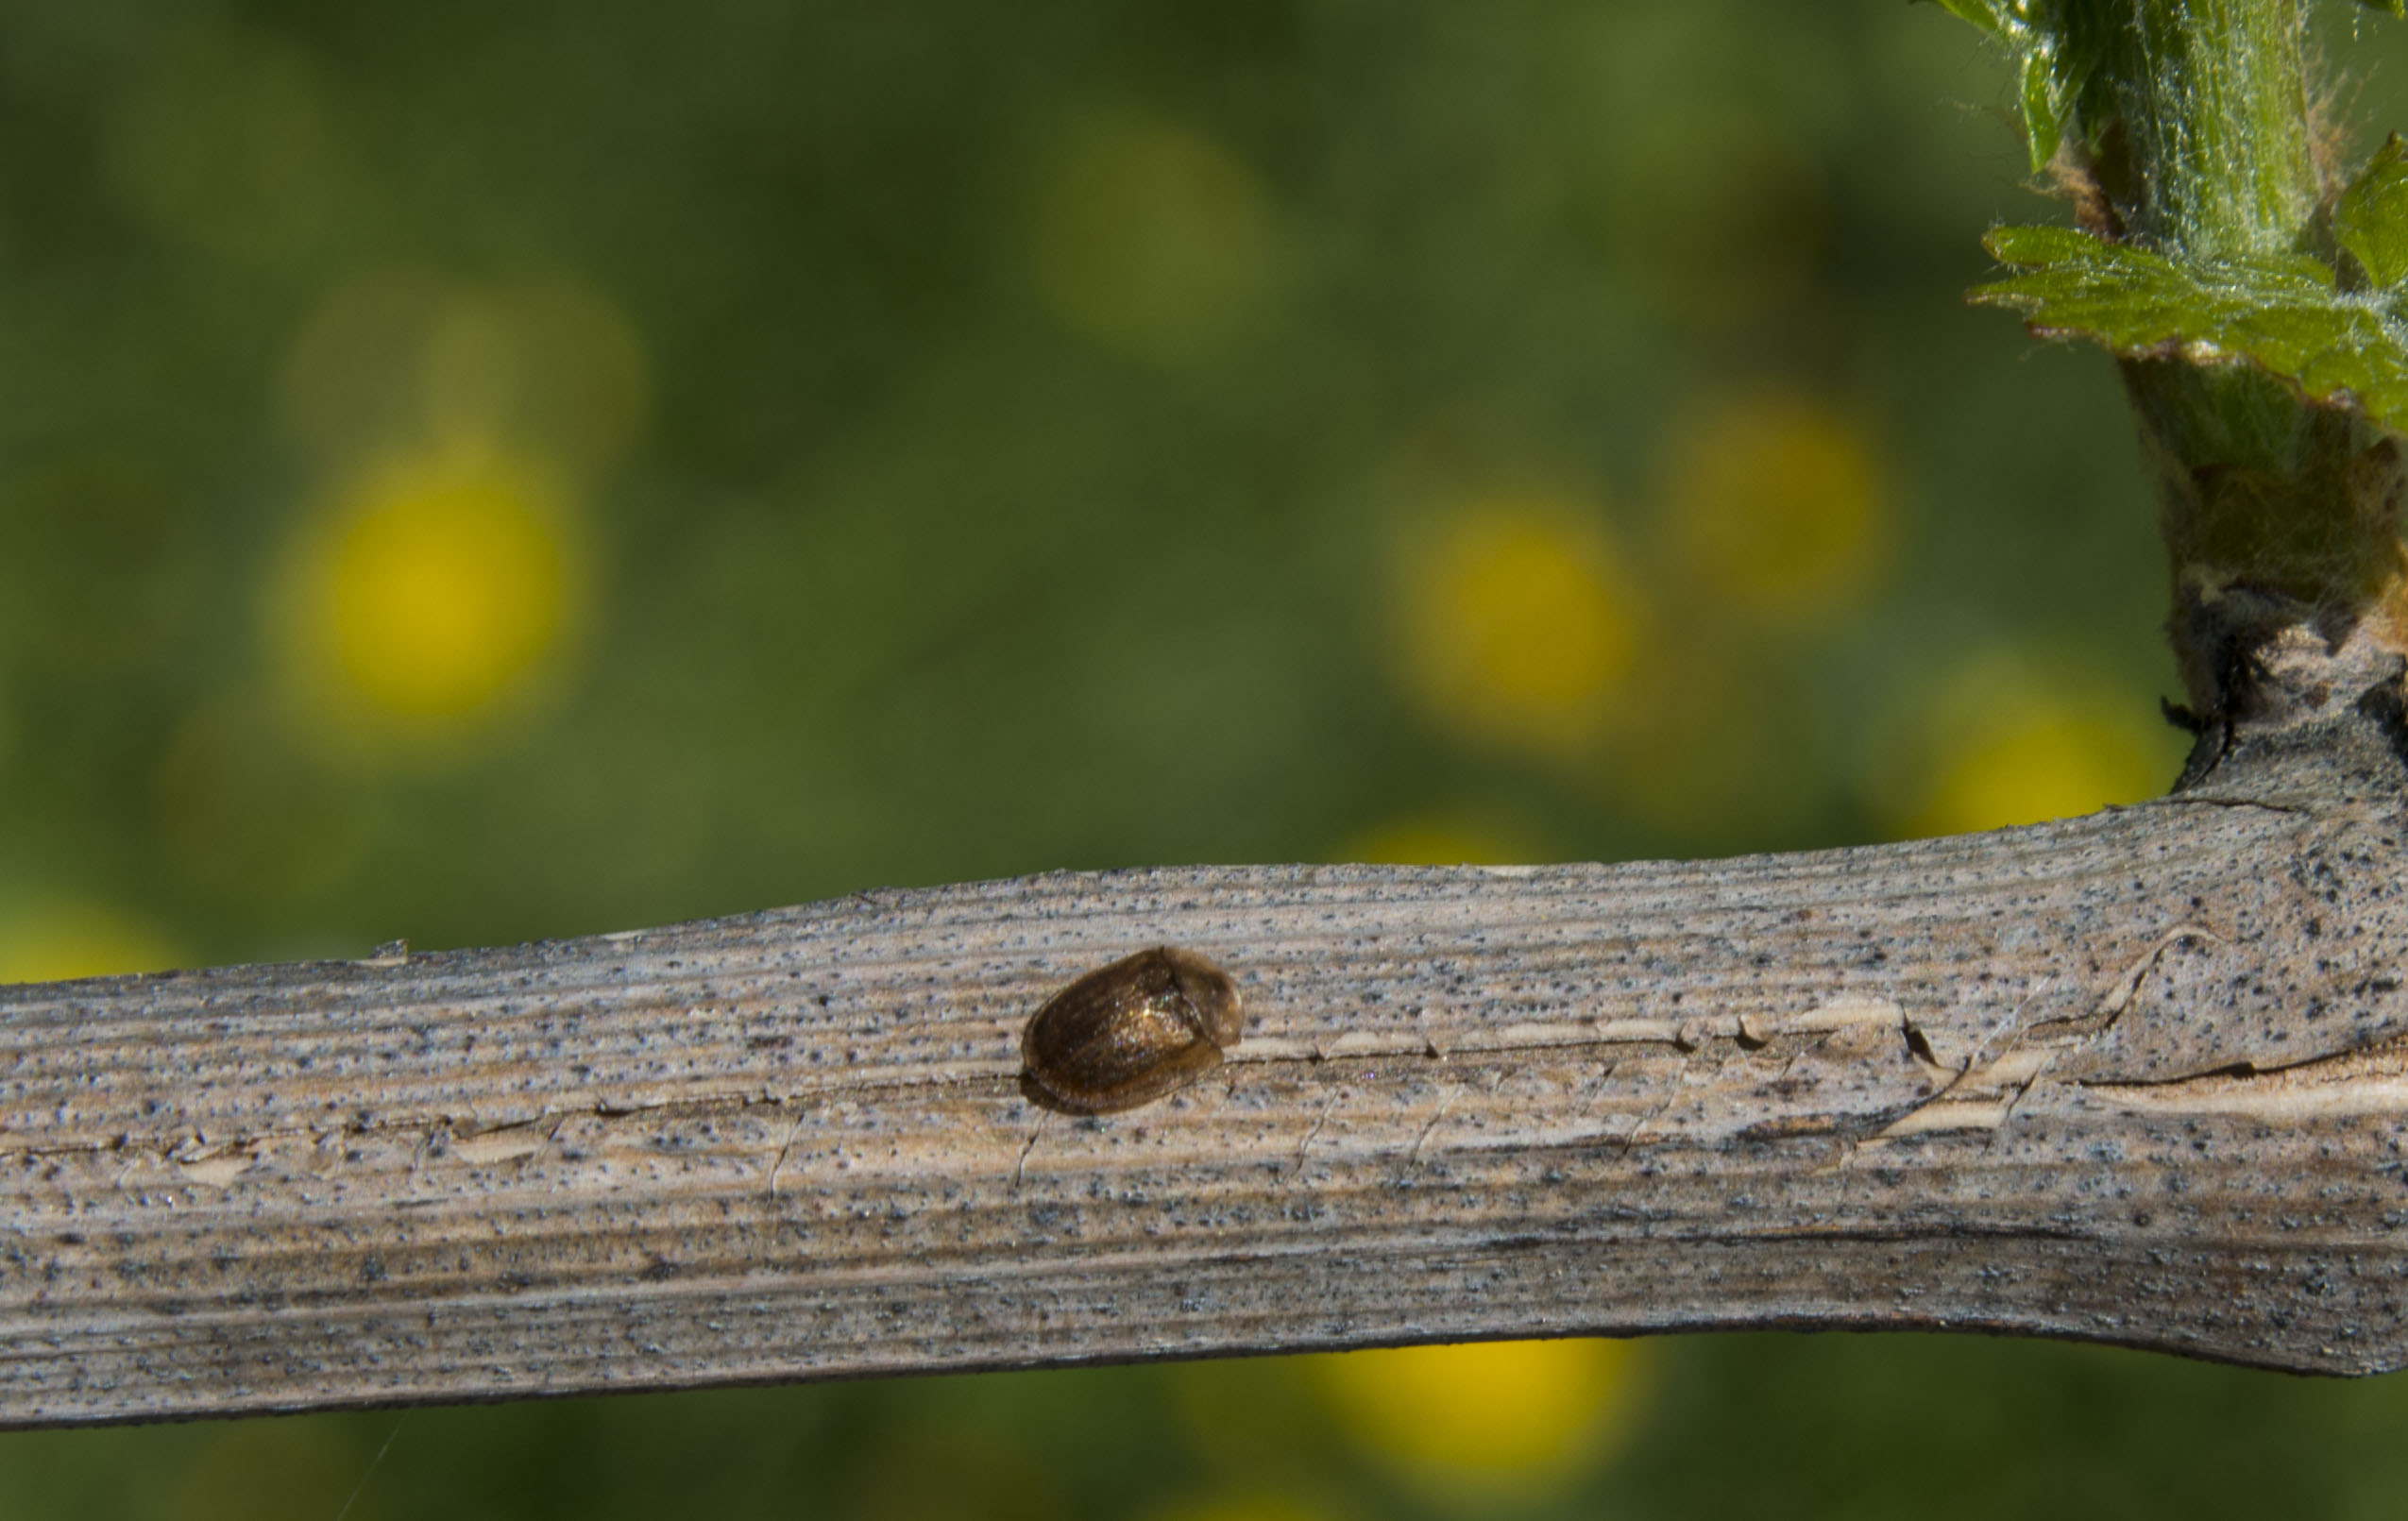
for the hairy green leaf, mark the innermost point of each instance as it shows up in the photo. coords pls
(2049, 70)
(2371, 218)
(2284, 315)
(2044, 117)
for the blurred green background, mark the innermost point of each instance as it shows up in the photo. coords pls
(471, 473)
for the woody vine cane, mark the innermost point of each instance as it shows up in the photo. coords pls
(2136, 1078)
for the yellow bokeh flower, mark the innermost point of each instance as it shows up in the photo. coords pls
(441, 583)
(1516, 624)
(73, 937)
(459, 423)
(1150, 238)
(1493, 1415)
(2003, 740)
(1777, 507)
(2047, 761)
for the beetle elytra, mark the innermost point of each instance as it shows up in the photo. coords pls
(1127, 1034)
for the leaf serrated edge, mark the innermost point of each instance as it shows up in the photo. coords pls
(2041, 252)
(2352, 212)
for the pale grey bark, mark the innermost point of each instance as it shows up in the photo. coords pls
(2132, 1078)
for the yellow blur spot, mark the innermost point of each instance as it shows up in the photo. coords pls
(446, 584)
(228, 142)
(1150, 238)
(1504, 1415)
(61, 939)
(1777, 507)
(2001, 741)
(2047, 762)
(1436, 841)
(459, 422)
(441, 583)
(1518, 625)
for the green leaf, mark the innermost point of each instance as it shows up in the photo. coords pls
(2050, 68)
(2044, 118)
(2284, 314)
(2371, 218)
(2389, 7)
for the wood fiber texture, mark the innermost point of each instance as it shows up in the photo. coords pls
(2137, 1077)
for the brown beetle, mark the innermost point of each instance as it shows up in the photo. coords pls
(1127, 1034)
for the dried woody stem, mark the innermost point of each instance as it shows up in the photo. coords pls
(2137, 1077)
(2141, 1078)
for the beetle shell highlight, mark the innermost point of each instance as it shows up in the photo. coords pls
(1127, 1034)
